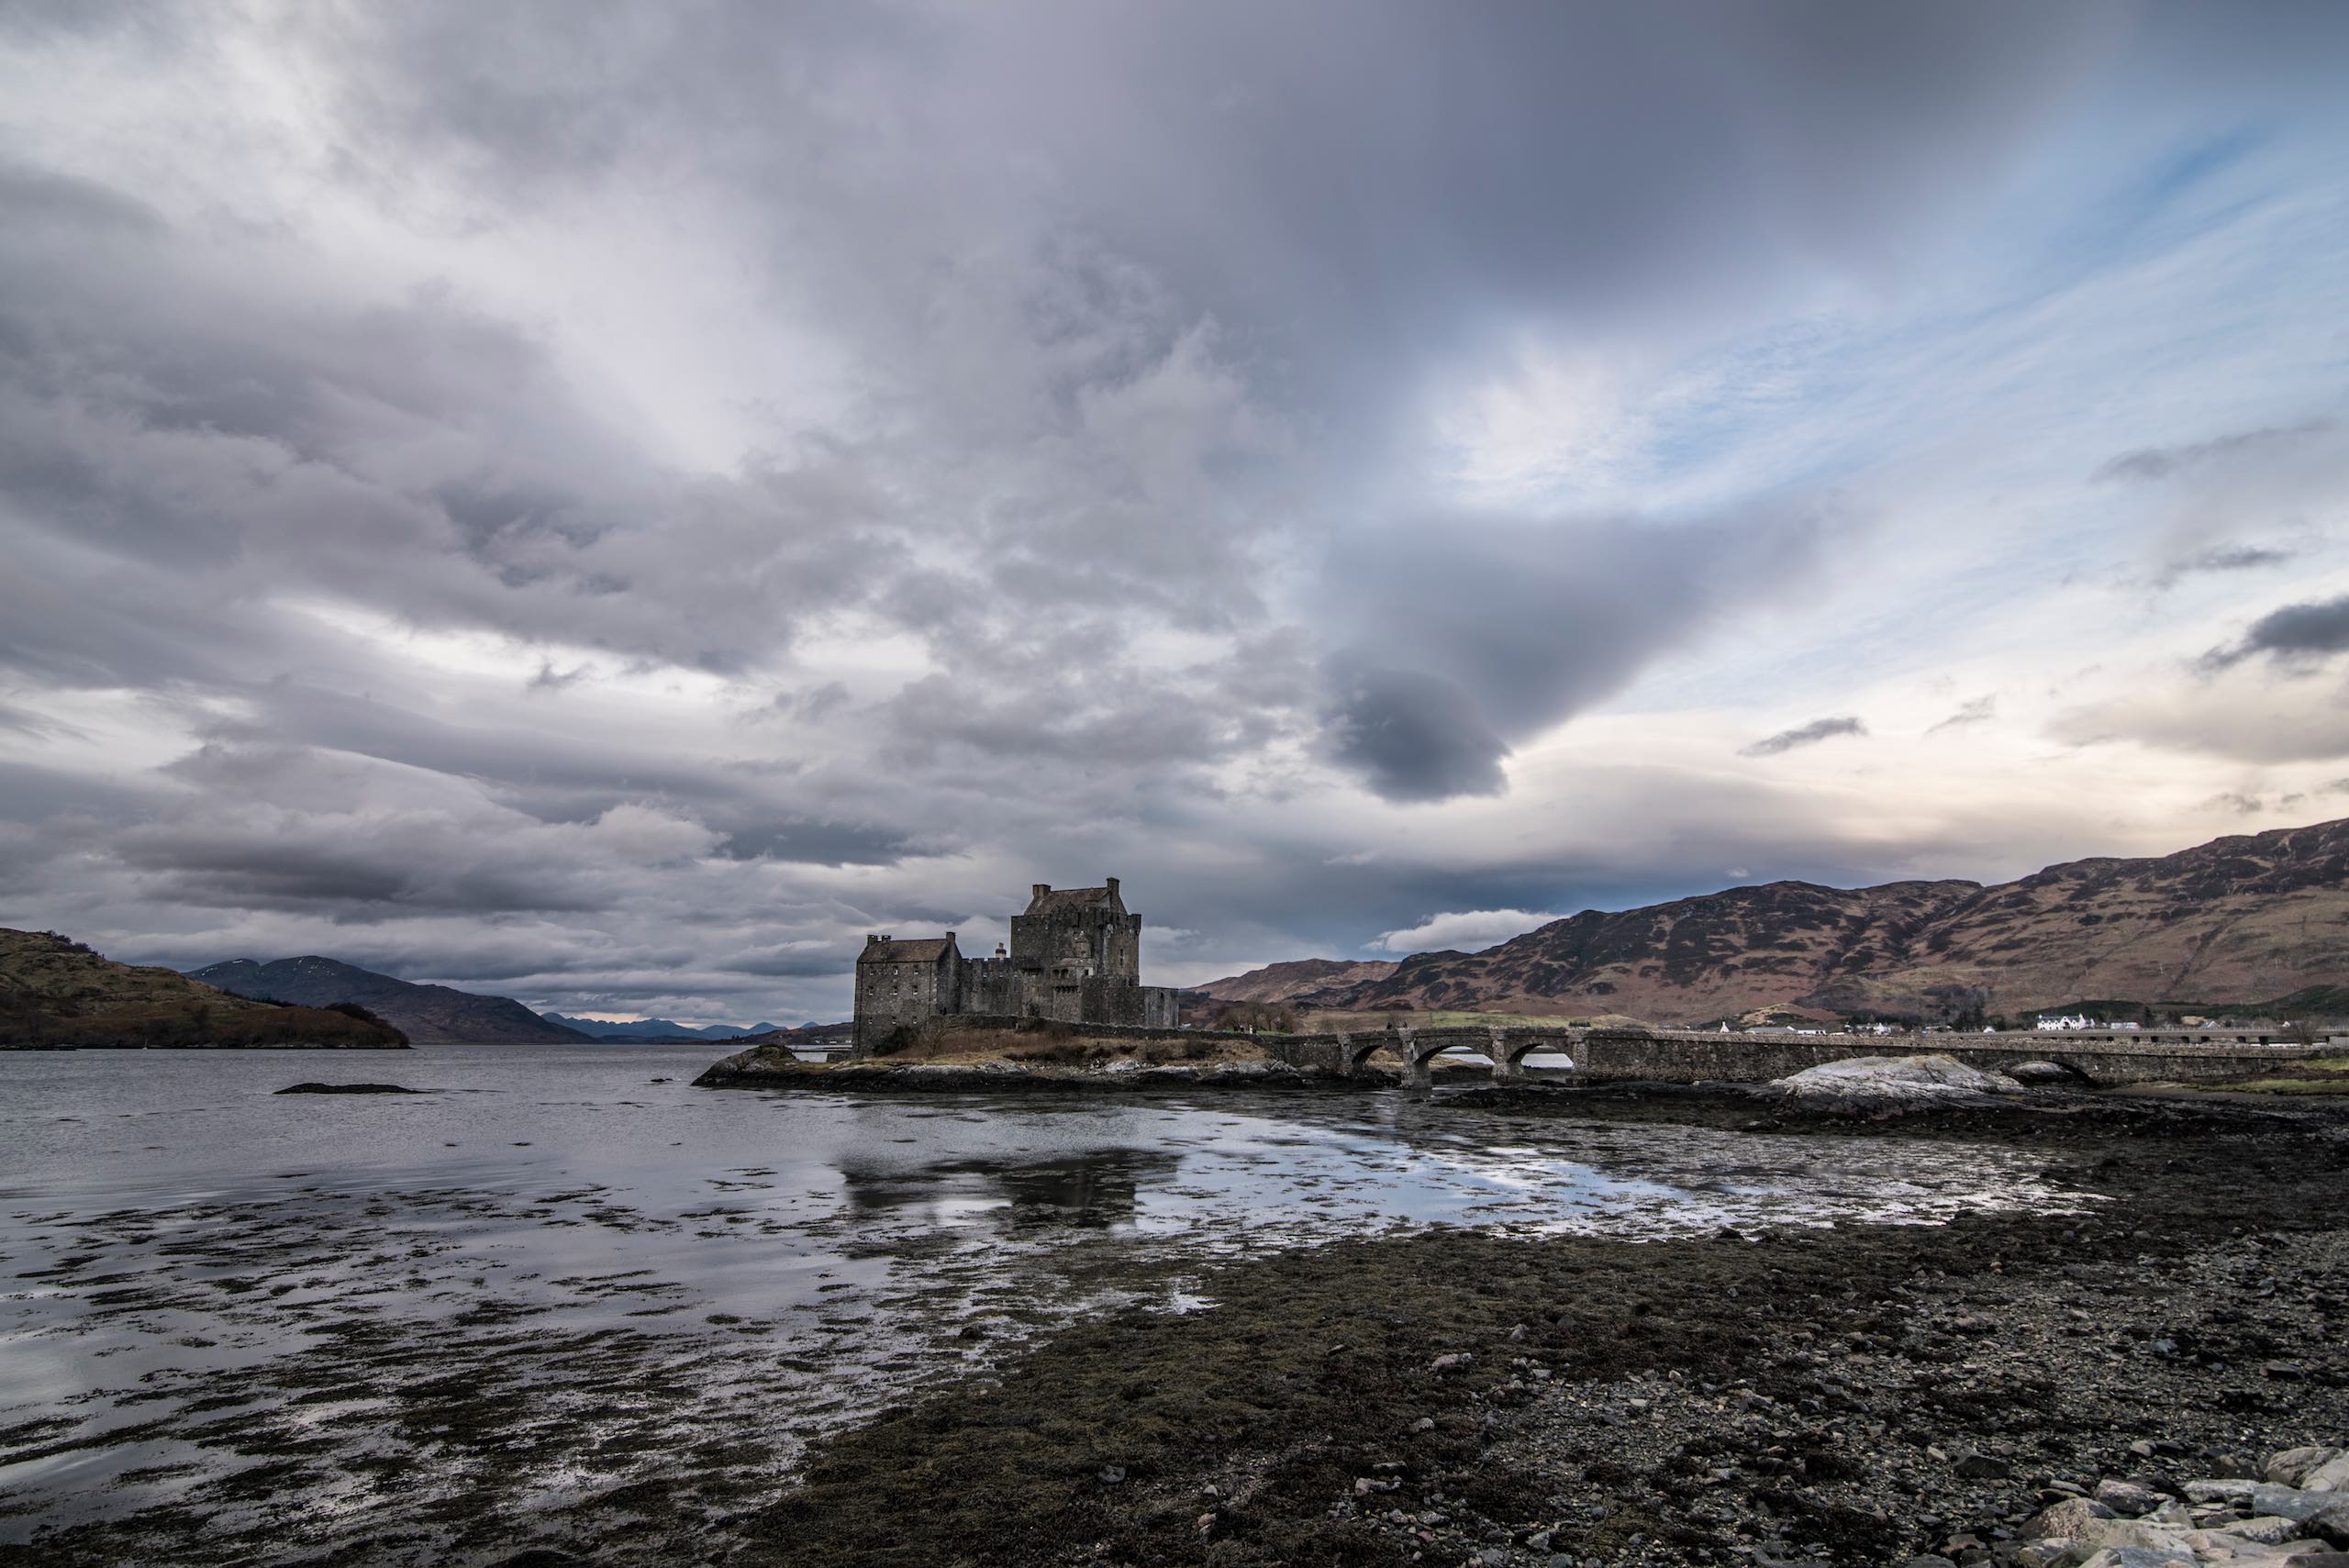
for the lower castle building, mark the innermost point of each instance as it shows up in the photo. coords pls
(1076, 956)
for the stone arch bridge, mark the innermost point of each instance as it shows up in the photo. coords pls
(2105, 1058)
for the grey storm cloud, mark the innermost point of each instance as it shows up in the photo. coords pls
(1076, 509)
(1811, 734)
(1520, 170)
(2222, 558)
(2296, 633)
(2162, 462)
(1980, 710)
(1413, 736)
(1462, 635)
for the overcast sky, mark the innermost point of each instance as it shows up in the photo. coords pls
(609, 503)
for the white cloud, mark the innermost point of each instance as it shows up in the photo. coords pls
(1468, 931)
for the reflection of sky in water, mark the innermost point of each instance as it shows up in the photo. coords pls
(777, 1260)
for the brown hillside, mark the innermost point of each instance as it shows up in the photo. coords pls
(54, 991)
(1278, 983)
(2238, 919)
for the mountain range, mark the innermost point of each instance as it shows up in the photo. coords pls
(654, 1029)
(54, 991)
(2235, 920)
(426, 1014)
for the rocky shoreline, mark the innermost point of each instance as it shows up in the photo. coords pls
(762, 1069)
(1874, 1394)
(1866, 1087)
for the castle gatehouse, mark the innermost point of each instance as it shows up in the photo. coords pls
(1076, 955)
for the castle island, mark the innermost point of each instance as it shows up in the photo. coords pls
(1075, 957)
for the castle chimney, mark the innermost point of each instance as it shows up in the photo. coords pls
(1113, 887)
(949, 936)
(1037, 890)
(873, 937)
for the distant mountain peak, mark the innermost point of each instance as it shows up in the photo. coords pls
(652, 1029)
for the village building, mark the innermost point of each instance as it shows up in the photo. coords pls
(1074, 956)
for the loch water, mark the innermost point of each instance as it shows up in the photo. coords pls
(241, 1326)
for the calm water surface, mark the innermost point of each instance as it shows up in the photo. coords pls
(235, 1325)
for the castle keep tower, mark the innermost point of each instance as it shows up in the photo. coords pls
(1076, 956)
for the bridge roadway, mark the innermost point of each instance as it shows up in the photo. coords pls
(1687, 1056)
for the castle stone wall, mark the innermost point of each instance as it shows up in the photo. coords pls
(890, 996)
(1074, 957)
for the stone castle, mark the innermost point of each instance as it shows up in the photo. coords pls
(1076, 956)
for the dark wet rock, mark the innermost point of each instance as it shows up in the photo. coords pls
(2050, 1074)
(1978, 1466)
(349, 1089)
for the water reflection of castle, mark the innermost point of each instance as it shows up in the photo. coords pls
(1093, 1190)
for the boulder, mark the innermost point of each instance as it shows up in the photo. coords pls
(1896, 1082)
(2290, 1502)
(2128, 1499)
(2105, 1536)
(2044, 1074)
(2142, 1557)
(2292, 1467)
(2071, 1517)
(2332, 1476)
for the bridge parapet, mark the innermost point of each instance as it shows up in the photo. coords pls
(1689, 1056)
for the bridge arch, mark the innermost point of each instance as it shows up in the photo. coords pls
(1510, 1048)
(1354, 1050)
(1417, 1050)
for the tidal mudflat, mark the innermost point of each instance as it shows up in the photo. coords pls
(563, 1300)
